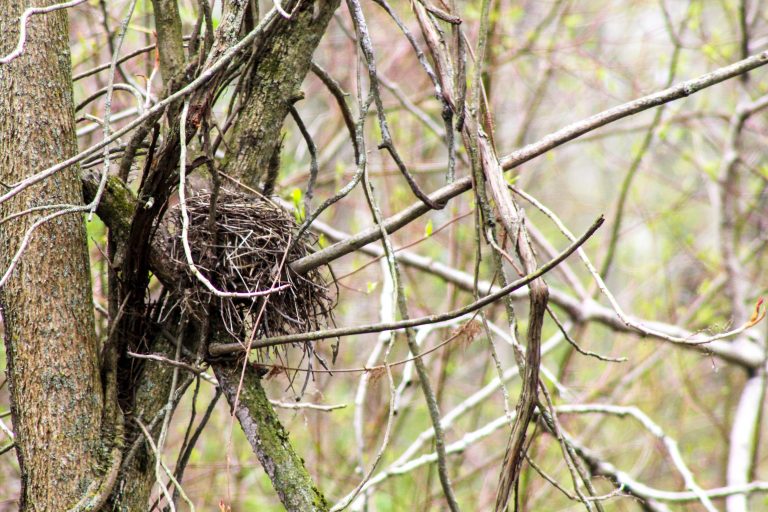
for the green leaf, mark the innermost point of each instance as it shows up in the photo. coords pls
(296, 197)
(428, 229)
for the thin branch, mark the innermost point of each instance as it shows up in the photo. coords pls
(307, 405)
(528, 152)
(23, 26)
(218, 349)
(695, 339)
(160, 463)
(108, 108)
(162, 359)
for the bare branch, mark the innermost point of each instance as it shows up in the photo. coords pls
(218, 349)
(23, 26)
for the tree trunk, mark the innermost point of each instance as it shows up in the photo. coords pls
(56, 391)
(274, 87)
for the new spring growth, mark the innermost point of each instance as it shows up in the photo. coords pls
(759, 313)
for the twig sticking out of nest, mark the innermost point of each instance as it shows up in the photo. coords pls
(244, 254)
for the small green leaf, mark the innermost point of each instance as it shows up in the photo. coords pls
(296, 196)
(372, 286)
(428, 229)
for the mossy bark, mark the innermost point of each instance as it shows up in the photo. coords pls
(137, 477)
(56, 391)
(281, 65)
(274, 82)
(269, 439)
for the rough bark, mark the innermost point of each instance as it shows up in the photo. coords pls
(56, 391)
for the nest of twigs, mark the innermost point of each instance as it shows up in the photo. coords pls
(248, 248)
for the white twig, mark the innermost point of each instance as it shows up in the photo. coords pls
(163, 488)
(23, 26)
(28, 236)
(421, 334)
(694, 339)
(90, 128)
(457, 447)
(307, 405)
(656, 431)
(185, 222)
(279, 8)
(743, 440)
(136, 93)
(108, 107)
(7, 430)
(167, 418)
(471, 402)
(623, 479)
(162, 359)
(644, 491)
(148, 99)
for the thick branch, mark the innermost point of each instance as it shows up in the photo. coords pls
(269, 439)
(280, 67)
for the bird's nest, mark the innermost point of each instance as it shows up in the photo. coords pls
(248, 248)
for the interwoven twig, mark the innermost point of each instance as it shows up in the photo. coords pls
(243, 255)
